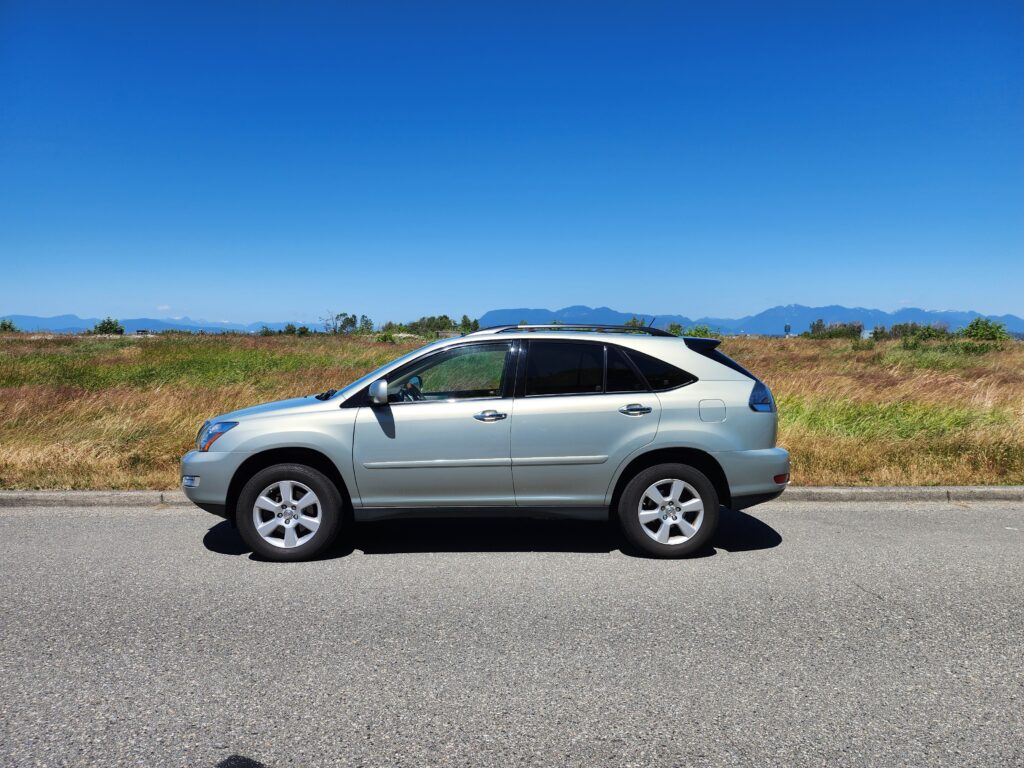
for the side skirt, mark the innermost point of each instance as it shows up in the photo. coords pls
(368, 514)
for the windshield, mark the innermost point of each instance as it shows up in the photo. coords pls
(375, 374)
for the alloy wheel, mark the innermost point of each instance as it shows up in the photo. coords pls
(671, 511)
(287, 514)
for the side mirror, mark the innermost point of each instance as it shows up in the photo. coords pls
(379, 392)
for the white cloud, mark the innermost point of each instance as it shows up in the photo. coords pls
(163, 307)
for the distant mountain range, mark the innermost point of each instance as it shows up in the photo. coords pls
(76, 324)
(771, 322)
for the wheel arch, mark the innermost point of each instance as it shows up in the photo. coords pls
(268, 458)
(694, 457)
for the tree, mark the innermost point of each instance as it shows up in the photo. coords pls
(342, 322)
(675, 329)
(466, 325)
(635, 322)
(289, 329)
(108, 326)
(265, 331)
(834, 330)
(365, 324)
(7, 326)
(302, 330)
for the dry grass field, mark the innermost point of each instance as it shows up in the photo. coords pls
(90, 412)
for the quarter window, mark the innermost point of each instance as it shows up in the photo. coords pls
(659, 374)
(564, 368)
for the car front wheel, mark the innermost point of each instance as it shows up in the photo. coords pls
(669, 510)
(288, 512)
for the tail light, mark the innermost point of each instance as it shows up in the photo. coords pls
(761, 398)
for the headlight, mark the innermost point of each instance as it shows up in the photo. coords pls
(211, 431)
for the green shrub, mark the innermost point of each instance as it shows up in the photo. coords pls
(983, 329)
(386, 338)
(6, 326)
(702, 331)
(918, 331)
(970, 347)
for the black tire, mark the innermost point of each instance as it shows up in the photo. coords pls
(329, 513)
(629, 511)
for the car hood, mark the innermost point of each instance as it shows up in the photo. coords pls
(270, 409)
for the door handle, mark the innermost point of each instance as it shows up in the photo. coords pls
(635, 409)
(490, 416)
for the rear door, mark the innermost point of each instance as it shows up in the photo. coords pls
(581, 407)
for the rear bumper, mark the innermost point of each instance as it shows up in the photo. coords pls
(751, 474)
(212, 472)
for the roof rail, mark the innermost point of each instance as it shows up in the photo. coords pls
(576, 327)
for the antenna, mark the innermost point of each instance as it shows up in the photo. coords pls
(651, 324)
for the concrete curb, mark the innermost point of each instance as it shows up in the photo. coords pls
(91, 498)
(10, 499)
(908, 493)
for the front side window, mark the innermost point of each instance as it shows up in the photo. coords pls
(471, 372)
(564, 368)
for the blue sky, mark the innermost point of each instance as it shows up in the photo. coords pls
(268, 161)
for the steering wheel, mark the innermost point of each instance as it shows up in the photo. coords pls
(410, 392)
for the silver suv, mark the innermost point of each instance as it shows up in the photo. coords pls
(569, 421)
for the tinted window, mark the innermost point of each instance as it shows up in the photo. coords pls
(659, 374)
(564, 368)
(621, 375)
(475, 372)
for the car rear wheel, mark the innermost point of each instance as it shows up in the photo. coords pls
(669, 510)
(288, 512)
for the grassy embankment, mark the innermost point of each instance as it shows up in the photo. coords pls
(80, 412)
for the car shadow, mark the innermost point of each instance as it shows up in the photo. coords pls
(238, 761)
(737, 532)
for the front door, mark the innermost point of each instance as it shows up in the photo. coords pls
(583, 409)
(443, 438)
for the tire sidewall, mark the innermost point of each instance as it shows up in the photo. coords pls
(327, 496)
(635, 489)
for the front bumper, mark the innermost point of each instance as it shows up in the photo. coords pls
(212, 472)
(751, 474)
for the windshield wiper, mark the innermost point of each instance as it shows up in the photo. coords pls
(326, 395)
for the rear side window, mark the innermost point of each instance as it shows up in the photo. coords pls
(564, 368)
(659, 374)
(622, 377)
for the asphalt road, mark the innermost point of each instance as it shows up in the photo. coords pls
(816, 633)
